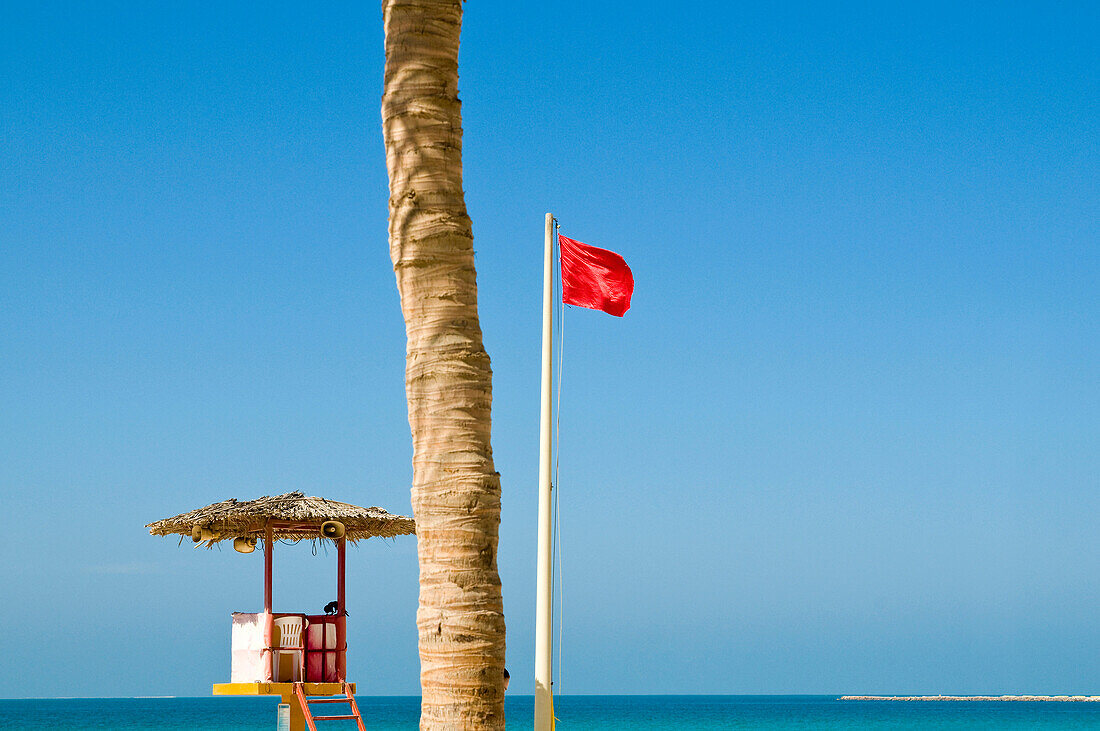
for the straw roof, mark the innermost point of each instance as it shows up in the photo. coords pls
(233, 518)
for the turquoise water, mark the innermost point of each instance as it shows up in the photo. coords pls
(575, 713)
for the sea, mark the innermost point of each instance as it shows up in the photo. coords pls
(574, 713)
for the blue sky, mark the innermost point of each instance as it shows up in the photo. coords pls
(844, 441)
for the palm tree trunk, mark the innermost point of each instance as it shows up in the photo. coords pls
(456, 489)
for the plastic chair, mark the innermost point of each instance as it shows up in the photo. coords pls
(290, 643)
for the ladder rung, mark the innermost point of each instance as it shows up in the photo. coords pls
(332, 718)
(326, 700)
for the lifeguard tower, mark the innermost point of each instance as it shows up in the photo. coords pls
(300, 657)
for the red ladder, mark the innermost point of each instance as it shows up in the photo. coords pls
(305, 703)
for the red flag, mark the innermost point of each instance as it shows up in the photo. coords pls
(594, 278)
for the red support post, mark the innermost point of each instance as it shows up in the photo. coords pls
(269, 623)
(341, 614)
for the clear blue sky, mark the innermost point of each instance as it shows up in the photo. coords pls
(845, 441)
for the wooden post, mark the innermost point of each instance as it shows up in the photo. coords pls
(544, 567)
(297, 717)
(341, 615)
(269, 623)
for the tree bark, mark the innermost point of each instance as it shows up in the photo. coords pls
(456, 489)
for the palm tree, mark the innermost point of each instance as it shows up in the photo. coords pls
(448, 381)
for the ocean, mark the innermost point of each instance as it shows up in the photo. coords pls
(575, 713)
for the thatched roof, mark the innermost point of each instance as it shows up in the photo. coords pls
(233, 518)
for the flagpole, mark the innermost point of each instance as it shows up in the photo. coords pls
(543, 598)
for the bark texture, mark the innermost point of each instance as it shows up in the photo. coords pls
(456, 489)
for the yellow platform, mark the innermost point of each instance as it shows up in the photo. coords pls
(283, 689)
(286, 691)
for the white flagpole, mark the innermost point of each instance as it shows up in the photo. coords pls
(544, 567)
